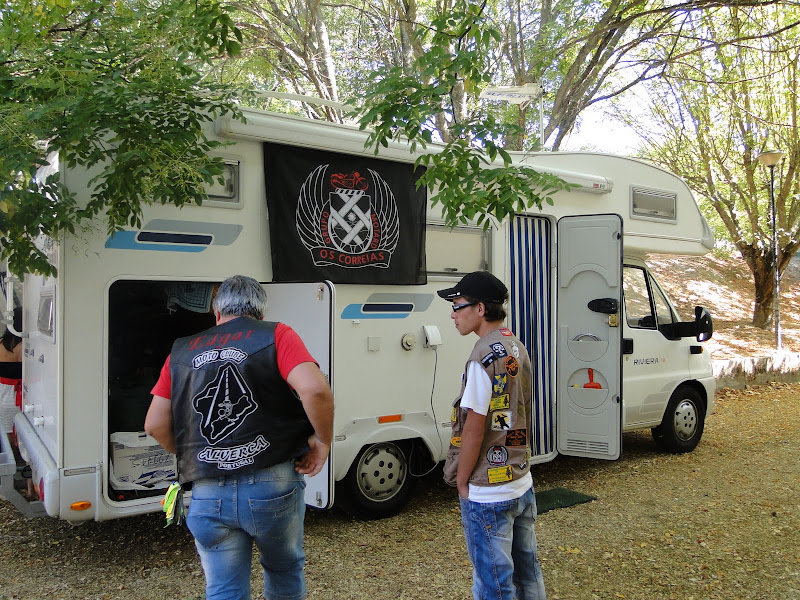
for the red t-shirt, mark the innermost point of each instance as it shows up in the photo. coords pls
(290, 348)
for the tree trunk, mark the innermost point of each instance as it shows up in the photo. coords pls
(761, 265)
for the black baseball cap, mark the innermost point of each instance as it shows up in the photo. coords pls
(480, 285)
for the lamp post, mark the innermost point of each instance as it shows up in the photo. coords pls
(770, 158)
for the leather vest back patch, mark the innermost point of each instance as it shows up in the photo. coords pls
(232, 411)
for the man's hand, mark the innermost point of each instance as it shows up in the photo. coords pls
(315, 394)
(312, 461)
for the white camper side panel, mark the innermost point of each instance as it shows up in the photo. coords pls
(391, 383)
(42, 312)
(589, 335)
(194, 244)
(658, 208)
(307, 308)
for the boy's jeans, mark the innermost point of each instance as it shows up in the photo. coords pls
(501, 543)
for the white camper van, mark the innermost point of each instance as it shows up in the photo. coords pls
(610, 353)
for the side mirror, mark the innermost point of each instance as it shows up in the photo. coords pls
(705, 326)
(701, 328)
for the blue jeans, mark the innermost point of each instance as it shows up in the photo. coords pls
(501, 544)
(227, 514)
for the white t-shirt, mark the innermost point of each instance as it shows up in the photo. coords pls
(477, 396)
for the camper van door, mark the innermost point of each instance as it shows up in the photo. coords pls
(308, 308)
(589, 290)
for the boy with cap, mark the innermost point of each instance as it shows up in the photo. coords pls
(488, 459)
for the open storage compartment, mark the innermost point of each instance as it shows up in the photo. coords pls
(144, 318)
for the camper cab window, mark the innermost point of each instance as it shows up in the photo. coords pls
(646, 305)
(456, 251)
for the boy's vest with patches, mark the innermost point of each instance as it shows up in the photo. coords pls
(232, 411)
(505, 453)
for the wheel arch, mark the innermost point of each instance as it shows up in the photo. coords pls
(699, 388)
(683, 423)
(348, 449)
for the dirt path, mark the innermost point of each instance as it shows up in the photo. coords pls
(722, 522)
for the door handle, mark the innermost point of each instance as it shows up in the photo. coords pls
(607, 306)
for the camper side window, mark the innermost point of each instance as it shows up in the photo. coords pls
(453, 251)
(638, 308)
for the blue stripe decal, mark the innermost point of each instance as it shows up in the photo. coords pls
(354, 311)
(175, 238)
(126, 240)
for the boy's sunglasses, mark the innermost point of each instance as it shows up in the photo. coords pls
(458, 307)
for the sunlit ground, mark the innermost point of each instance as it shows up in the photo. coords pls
(725, 287)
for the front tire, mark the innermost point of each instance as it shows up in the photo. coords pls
(683, 423)
(378, 484)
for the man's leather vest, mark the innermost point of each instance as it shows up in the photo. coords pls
(232, 411)
(505, 453)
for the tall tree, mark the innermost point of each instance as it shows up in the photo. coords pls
(403, 104)
(112, 85)
(717, 109)
(582, 52)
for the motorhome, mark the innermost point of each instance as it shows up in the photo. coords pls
(351, 255)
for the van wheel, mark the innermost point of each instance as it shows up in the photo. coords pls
(378, 484)
(683, 423)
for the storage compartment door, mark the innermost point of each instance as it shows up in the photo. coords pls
(308, 308)
(589, 370)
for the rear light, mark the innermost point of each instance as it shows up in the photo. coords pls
(40, 490)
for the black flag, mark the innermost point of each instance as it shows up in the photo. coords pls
(348, 219)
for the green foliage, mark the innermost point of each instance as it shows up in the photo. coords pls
(472, 175)
(110, 86)
(732, 96)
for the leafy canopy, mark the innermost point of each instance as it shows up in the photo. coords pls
(402, 105)
(115, 87)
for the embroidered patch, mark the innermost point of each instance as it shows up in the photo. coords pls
(497, 455)
(235, 457)
(455, 442)
(501, 420)
(215, 354)
(453, 415)
(500, 402)
(517, 437)
(499, 383)
(488, 359)
(514, 348)
(512, 366)
(223, 404)
(505, 331)
(500, 474)
(499, 350)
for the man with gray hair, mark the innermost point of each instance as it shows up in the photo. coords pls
(248, 413)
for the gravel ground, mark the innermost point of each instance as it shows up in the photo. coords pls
(720, 523)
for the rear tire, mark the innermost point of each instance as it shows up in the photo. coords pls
(378, 484)
(683, 423)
